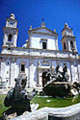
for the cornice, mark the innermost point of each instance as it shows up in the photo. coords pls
(42, 50)
(11, 19)
(42, 33)
(68, 36)
(38, 57)
(10, 28)
(66, 28)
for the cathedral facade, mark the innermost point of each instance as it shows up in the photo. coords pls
(38, 55)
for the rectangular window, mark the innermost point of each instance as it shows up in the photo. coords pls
(22, 67)
(44, 43)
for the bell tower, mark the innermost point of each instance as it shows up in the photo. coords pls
(10, 32)
(68, 39)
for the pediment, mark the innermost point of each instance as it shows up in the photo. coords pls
(43, 30)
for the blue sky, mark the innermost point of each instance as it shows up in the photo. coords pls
(55, 13)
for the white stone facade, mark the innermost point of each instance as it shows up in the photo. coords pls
(39, 54)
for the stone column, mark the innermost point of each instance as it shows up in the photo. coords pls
(69, 47)
(12, 72)
(78, 72)
(3, 70)
(73, 72)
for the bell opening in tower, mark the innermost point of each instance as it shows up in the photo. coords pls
(10, 38)
(64, 46)
(72, 45)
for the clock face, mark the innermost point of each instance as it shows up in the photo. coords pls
(12, 22)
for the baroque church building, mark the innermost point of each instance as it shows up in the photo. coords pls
(38, 55)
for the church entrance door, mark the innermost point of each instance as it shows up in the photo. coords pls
(44, 80)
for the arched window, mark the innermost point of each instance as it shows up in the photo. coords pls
(64, 46)
(72, 45)
(9, 37)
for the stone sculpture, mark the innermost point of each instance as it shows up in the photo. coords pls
(58, 85)
(57, 75)
(17, 98)
(57, 82)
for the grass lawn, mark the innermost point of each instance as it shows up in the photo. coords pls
(2, 107)
(55, 102)
(45, 102)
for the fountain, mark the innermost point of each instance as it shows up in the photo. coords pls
(58, 83)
